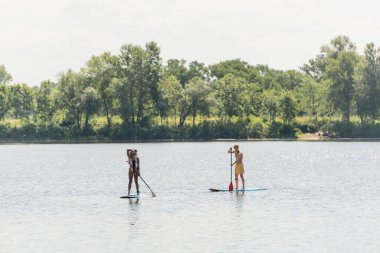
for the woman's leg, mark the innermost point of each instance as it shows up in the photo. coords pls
(242, 180)
(135, 175)
(130, 176)
(236, 181)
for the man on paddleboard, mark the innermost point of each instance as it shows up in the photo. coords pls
(134, 169)
(239, 167)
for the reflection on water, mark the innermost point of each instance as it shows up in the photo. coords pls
(239, 202)
(133, 211)
(322, 197)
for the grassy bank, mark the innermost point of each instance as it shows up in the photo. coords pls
(303, 128)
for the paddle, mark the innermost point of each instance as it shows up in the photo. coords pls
(153, 194)
(231, 187)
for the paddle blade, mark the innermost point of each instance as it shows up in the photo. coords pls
(231, 187)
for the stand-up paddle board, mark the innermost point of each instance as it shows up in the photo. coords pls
(130, 197)
(239, 190)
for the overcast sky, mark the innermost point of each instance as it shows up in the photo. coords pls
(40, 38)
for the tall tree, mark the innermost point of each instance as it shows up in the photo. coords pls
(90, 103)
(5, 77)
(368, 84)
(198, 92)
(140, 78)
(171, 92)
(21, 102)
(70, 87)
(316, 67)
(340, 73)
(101, 70)
(4, 103)
(310, 96)
(152, 69)
(44, 105)
(270, 104)
(232, 93)
(287, 107)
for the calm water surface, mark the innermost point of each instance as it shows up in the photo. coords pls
(321, 197)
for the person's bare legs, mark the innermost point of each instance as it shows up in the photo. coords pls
(135, 175)
(242, 180)
(130, 175)
(236, 181)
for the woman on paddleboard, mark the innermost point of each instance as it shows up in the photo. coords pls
(239, 167)
(134, 169)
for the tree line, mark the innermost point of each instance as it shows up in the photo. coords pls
(135, 95)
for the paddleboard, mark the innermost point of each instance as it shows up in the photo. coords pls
(239, 190)
(130, 197)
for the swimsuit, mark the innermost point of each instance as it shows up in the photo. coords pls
(239, 167)
(132, 164)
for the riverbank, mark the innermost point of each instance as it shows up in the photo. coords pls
(304, 137)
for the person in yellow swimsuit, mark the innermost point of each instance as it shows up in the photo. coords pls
(239, 166)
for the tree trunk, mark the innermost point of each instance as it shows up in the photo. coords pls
(86, 121)
(107, 114)
(194, 116)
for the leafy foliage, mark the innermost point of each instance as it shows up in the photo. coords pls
(133, 95)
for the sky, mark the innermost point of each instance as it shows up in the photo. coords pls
(41, 38)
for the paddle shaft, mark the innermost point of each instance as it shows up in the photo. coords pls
(153, 194)
(231, 186)
(231, 167)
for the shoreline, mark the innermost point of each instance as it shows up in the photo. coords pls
(303, 138)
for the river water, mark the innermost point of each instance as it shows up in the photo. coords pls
(321, 197)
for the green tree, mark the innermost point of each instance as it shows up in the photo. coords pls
(44, 105)
(90, 103)
(198, 92)
(171, 92)
(269, 79)
(368, 84)
(193, 99)
(231, 91)
(270, 104)
(152, 69)
(316, 67)
(5, 77)
(101, 70)
(235, 67)
(4, 103)
(340, 73)
(70, 87)
(21, 101)
(139, 81)
(287, 108)
(290, 79)
(310, 97)
(199, 70)
(178, 69)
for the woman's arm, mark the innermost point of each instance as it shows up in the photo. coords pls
(129, 152)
